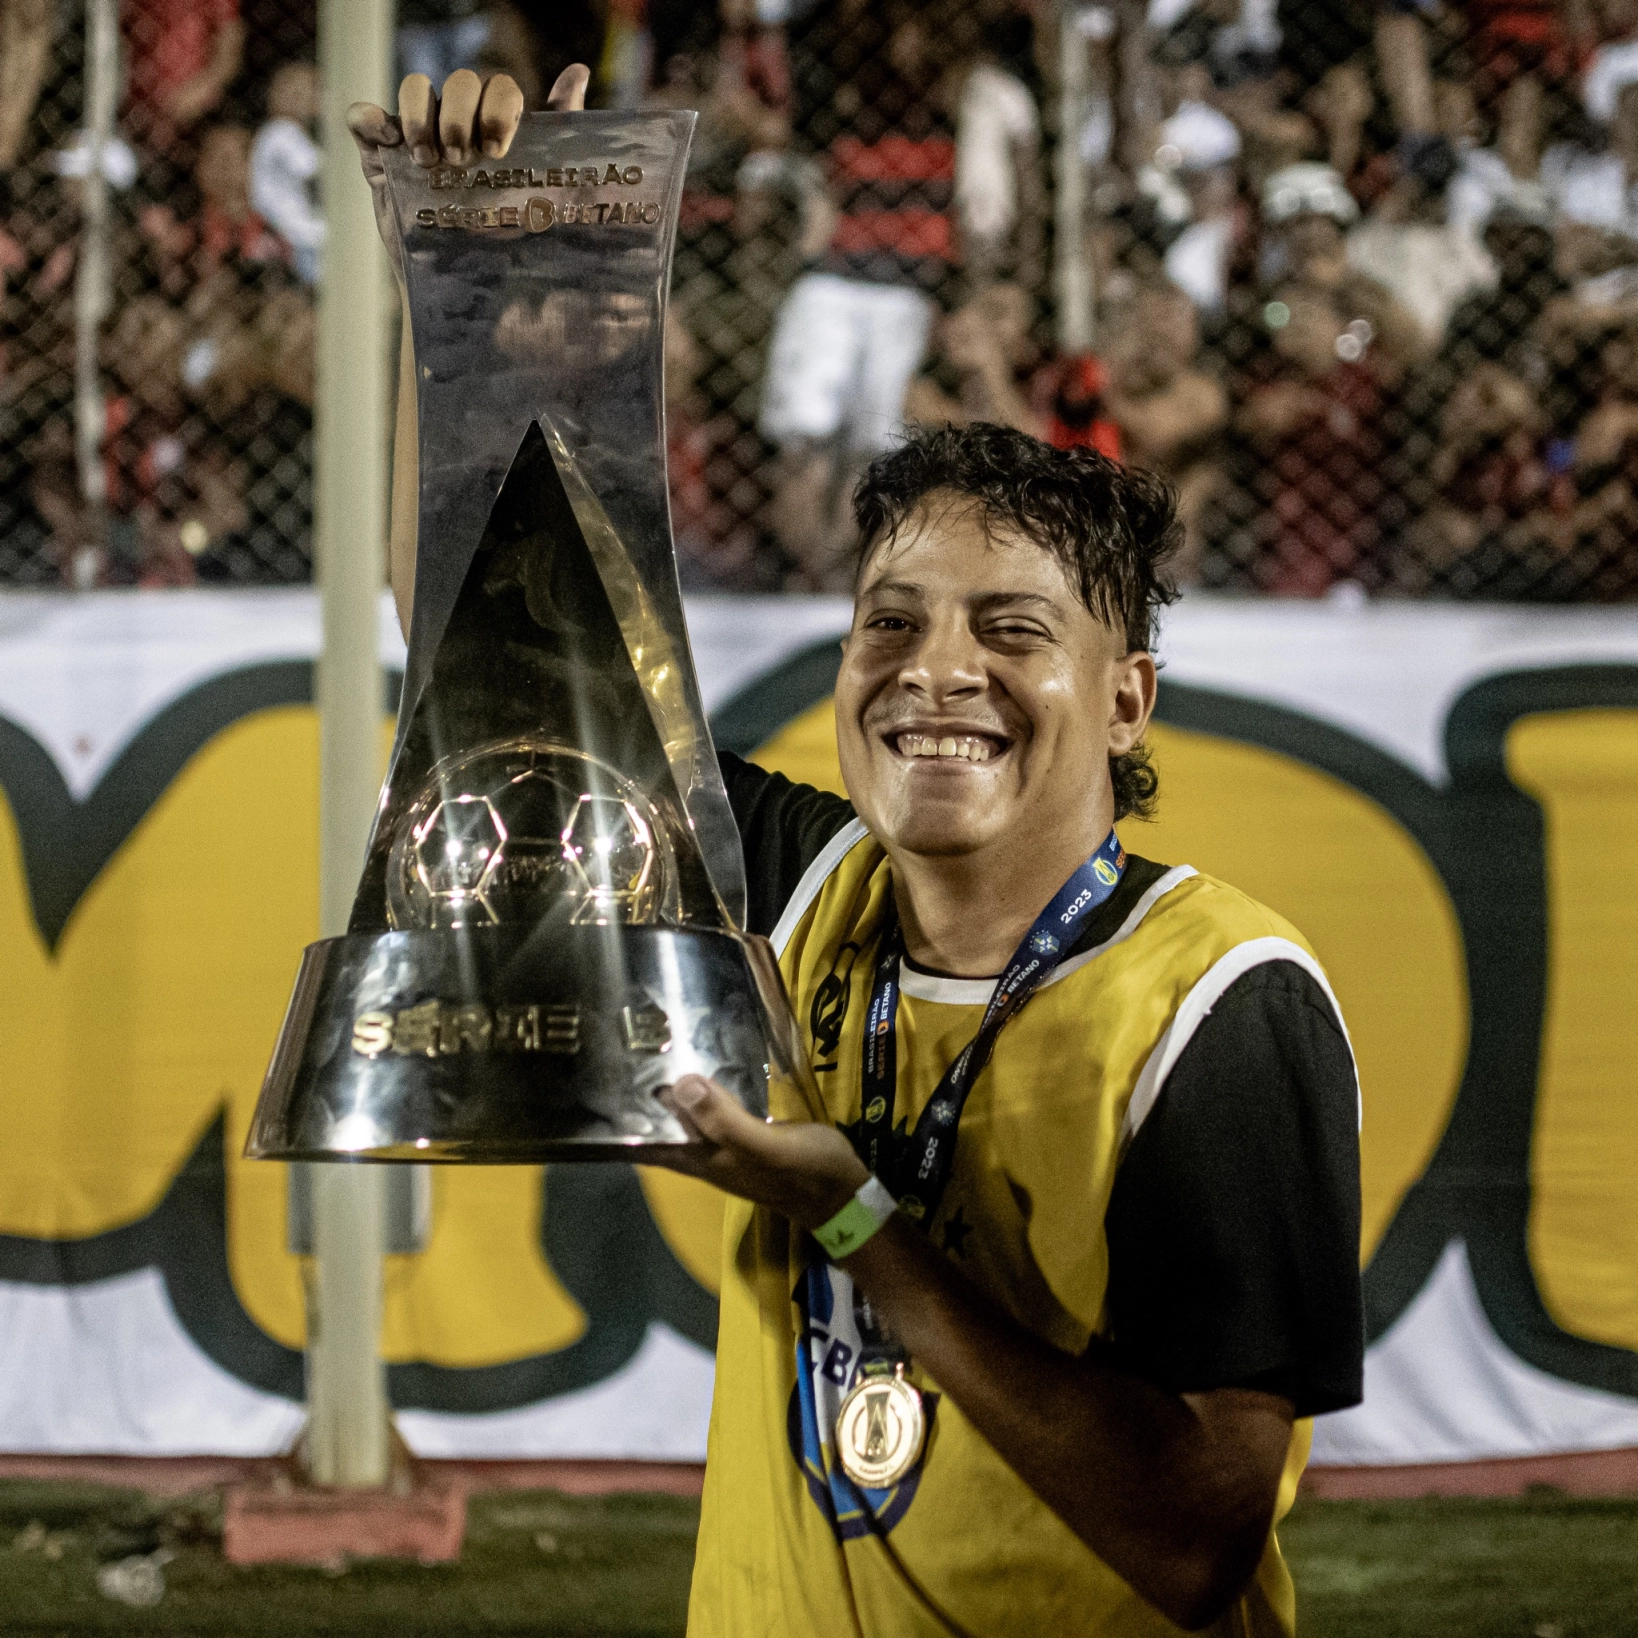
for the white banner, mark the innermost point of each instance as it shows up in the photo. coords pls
(1445, 799)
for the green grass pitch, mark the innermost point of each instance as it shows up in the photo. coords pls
(1544, 1566)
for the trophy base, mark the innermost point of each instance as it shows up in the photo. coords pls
(516, 1045)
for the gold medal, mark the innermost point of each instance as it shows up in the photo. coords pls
(880, 1428)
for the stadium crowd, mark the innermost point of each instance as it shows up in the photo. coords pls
(1364, 274)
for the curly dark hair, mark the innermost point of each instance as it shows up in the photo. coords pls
(1112, 529)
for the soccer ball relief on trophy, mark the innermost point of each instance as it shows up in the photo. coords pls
(514, 831)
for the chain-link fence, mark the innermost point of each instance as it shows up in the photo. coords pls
(1360, 278)
(184, 451)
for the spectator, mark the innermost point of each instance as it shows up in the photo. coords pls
(734, 122)
(1515, 519)
(1195, 135)
(1199, 147)
(1491, 480)
(1599, 537)
(1409, 247)
(718, 548)
(1198, 260)
(728, 288)
(686, 453)
(1168, 410)
(284, 159)
(181, 56)
(1501, 324)
(852, 331)
(1594, 192)
(998, 194)
(435, 37)
(252, 386)
(753, 49)
(1305, 210)
(73, 164)
(987, 348)
(1613, 419)
(1000, 377)
(285, 337)
(225, 232)
(25, 52)
(38, 246)
(1507, 88)
(1306, 207)
(227, 228)
(1317, 428)
(143, 457)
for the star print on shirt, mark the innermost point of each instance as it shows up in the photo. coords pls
(955, 1231)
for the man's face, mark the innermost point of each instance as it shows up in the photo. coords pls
(979, 701)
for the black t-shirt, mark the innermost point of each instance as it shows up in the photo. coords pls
(1234, 1223)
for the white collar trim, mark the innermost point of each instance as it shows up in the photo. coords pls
(814, 879)
(952, 992)
(976, 992)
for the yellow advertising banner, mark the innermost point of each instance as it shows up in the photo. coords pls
(1471, 888)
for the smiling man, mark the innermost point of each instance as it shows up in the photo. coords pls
(1023, 1317)
(1085, 1180)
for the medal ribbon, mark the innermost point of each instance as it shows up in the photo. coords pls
(920, 1178)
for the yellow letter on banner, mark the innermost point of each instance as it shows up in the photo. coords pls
(1582, 766)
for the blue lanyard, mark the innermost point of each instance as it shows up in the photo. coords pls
(917, 1167)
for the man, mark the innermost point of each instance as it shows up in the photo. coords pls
(180, 60)
(1169, 410)
(853, 327)
(1052, 1373)
(1409, 245)
(1318, 436)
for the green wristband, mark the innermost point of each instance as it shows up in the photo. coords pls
(857, 1221)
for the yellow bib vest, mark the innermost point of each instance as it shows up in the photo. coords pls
(787, 1545)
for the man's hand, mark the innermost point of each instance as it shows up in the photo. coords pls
(472, 118)
(805, 1170)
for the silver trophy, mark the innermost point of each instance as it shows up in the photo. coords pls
(547, 928)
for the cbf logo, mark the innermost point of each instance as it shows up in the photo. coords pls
(1043, 943)
(1105, 872)
(829, 1337)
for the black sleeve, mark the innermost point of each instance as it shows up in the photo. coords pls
(783, 828)
(1234, 1222)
